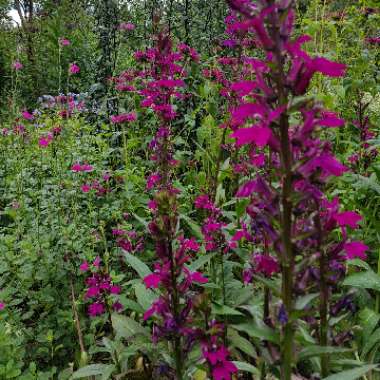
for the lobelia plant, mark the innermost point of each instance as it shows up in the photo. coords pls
(161, 82)
(288, 213)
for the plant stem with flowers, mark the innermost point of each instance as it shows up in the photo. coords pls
(293, 212)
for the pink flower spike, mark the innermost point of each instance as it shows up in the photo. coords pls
(152, 280)
(115, 289)
(17, 65)
(85, 188)
(96, 262)
(258, 135)
(27, 115)
(84, 267)
(2, 306)
(95, 309)
(355, 249)
(43, 142)
(329, 68)
(329, 119)
(76, 168)
(74, 68)
(64, 42)
(348, 218)
(198, 277)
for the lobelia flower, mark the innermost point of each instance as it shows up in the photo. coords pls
(64, 41)
(74, 68)
(84, 267)
(355, 249)
(126, 26)
(17, 65)
(27, 115)
(124, 118)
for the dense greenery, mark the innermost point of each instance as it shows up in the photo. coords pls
(125, 182)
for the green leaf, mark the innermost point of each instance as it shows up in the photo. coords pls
(352, 374)
(145, 297)
(195, 265)
(261, 332)
(141, 268)
(126, 327)
(373, 339)
(193, 226)
(310, 351)
(364, 280)
(368, 320)
(241, 343)
(93, 370)
(304, 300)
(246, 367)
(224, 310)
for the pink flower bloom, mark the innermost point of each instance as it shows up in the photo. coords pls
(348, 218)
(267, 265)
(27, 115)
(126, 26)
(198, 277)
(16, 65)
(87, 168)
(74, 68)
(97, 262)
(152, 280)
(43, 142)
(95, 309)
(247, 189)
(64, 42)
(356, 249)
(123, 118)
(258, 135)
(93, 291)
(115, 289)
(2, 306)
(246, 110)
(329, 119)
(117, 306)
(329, 68)
(152, 180)
(84, 267)
(224, 371)
(152, 205)
(85, 188)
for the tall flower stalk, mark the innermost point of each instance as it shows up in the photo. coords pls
(160, 84)
(290, 215)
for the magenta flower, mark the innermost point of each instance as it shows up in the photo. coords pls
(2, 306)
(27, 115)
(123, 118)
(84, 267)
(256, 134)
(97, 262)
(74, 68)
(329, 68)
(152, 280)
(64, 41)
(16, 65)
(95, 309)
(198, 277)
(115, 289)
(348, 218)
(45, 141)
(126, 26)
(356, 249)
(85, 188)
(117, 306)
